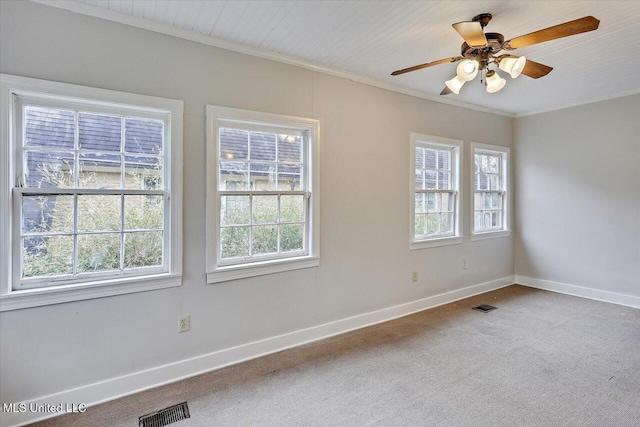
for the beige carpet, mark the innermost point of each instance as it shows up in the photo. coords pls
(541, 359)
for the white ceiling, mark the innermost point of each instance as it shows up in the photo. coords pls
(374, 38)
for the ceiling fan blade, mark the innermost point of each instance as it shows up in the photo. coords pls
(428, 64)
(582, 25)
(535, 70)
(471, 32)
(446, 91)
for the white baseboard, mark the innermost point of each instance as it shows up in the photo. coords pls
(114, 388)
(580, 291)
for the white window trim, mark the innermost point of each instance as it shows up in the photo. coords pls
(219, 273)
(456, 162)
(505, 183)
(10, 299)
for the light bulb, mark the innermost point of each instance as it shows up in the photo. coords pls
(512, 65)
(455, 84)
(468, 69)
(494, 82)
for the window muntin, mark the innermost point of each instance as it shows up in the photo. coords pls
(263, 194)
(489, 189)
(82, 210)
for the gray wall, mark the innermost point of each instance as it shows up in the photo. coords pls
(578, 196)
(365, 260)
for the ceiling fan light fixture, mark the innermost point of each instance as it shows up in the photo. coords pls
(494, 82)
(467, 70)
(455, 84)
(512, 65)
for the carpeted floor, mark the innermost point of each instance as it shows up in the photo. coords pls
(541, 359)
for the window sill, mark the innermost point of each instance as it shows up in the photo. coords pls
(490, 235)
(434, 243)
(224, 274)
(16, 300)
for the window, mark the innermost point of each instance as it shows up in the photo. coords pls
(92, 211)
(490, 197)
(435, 191)
(262, 193)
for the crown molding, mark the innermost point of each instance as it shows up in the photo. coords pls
(577, 104)
(98, 12)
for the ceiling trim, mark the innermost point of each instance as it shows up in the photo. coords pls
(577, 104)
(98, 12)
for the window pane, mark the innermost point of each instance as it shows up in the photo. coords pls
(447, 203)
(496, 201)
(419, 158)
(433, 224)
(482, 182)
(263, 176)
(262, 146)
(420, 203)
(487, 201)
(47, 255)
(234, 210)
(289, 177)
(143, 173)
(49, 127)
(444, 160)
(433, 202)
(143, 212)
(143, 135)
(42, 214)
(430, 180)
(446, 223)
(419, 179)
(478, 201)
(98, 252)
(496, 219)
(234, 144)
(478, 224)
(265, 239)
(234, 176)
(420, 225)
(444, 180)
(46, 169)
(142, 249)
(487, 219)
(99, 170)
(234, 242)
(99, 213)
(264, 209)
(494, 182)
(289, 148)
(430, 157)
(99, 132)
(492, 166)
(291, 237)
(291, 208)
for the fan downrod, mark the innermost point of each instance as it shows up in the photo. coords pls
(483, 19)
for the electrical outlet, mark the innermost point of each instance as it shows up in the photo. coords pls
(414, 276)
(464, 264)
(184, 323)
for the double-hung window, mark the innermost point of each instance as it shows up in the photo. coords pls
(490, 197)
(435, 191)
(89, 193)
(262, 193)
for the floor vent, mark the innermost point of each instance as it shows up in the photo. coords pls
(485, 308)
(165, 416)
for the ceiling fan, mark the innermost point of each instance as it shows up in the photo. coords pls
(479, 51)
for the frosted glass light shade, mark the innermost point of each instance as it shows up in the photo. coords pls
(468, 69)
(512, 65)
(494, 82)
(455, 84)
